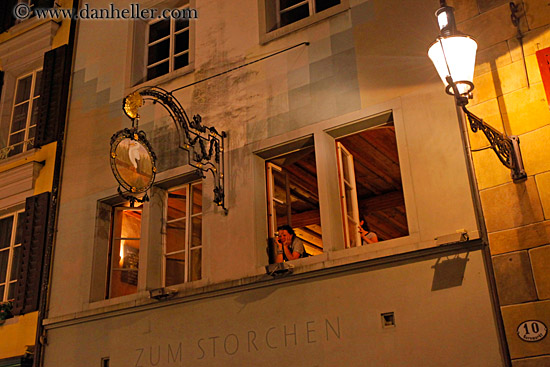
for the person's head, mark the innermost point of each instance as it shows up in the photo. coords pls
(364, 225)
(286, 233)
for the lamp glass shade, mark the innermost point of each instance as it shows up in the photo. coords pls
(455, 56)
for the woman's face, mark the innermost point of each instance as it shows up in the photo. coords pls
(285, 237)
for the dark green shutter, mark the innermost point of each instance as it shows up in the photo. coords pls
(35, 220)
(54, 90)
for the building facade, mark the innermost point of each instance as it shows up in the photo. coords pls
(35, 59)
(331, 115)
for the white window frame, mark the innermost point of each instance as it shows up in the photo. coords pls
(270, 18)
(348, 188)
(189, 215)
(11, 250)
(31, 101)
(172, 37)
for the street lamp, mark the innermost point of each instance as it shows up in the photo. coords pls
(453, 55)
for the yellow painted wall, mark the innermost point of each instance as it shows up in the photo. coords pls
(16, 333)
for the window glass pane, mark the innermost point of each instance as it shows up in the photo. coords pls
(19, 120)
(35, 109)
(177, 204)
(175, 236)
(288, 3)
(182, 42)
(4, 256)
(30, 142)
(125, 252)
(181, 24)
(6, 225)
(159, 30)
(195, 266)
(197, 198)
(17, 138)
(37, 83)
(175, 269)
(158, 51)
(181, 61)
(20, 226)
(294, 15)
(23, 89)
(2, 292)
(15, 263)
(157, 70)
(321, 5)
(196, 235)
(16, 150)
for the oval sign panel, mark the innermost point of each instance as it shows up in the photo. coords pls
(532, 331)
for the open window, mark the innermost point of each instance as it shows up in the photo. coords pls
(183, 235)
(24, 113)
(10, 253)
(124, 251)
(370, 184)
(293, 197)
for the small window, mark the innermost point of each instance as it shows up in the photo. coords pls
(11, 227)
(167, 46)
(24, 113)
(370, 186)
(291, 11)
(183, 235)
(124, 251)
(293, 197)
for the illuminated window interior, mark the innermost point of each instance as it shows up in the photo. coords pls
(293, 196)
(370, 184)
(183, 239)
(124, 254)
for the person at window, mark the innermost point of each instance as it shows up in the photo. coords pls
(366, 235)
(289, 247)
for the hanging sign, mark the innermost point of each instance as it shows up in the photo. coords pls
(133, 163)
(532, 331)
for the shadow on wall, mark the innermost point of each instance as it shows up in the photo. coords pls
(449, 272)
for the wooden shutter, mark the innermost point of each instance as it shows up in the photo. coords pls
(543, 57)
(54, 92)
(35, 220)
(6, 15)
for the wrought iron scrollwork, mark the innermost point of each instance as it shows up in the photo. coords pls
(205, 145)
(506, 148)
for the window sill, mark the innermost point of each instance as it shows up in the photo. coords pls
(309, 267)
(18, 157)
(163, 79)
(266, 37)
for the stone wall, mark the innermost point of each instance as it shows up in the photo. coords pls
(510, 96)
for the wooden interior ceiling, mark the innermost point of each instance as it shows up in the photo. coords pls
(378, 180)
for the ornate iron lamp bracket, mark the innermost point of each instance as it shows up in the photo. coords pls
(506, 148)
(205, 145)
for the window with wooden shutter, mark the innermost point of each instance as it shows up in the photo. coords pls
(34, 230)
(53, 96)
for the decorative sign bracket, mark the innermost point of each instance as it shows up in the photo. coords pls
(205, 145)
